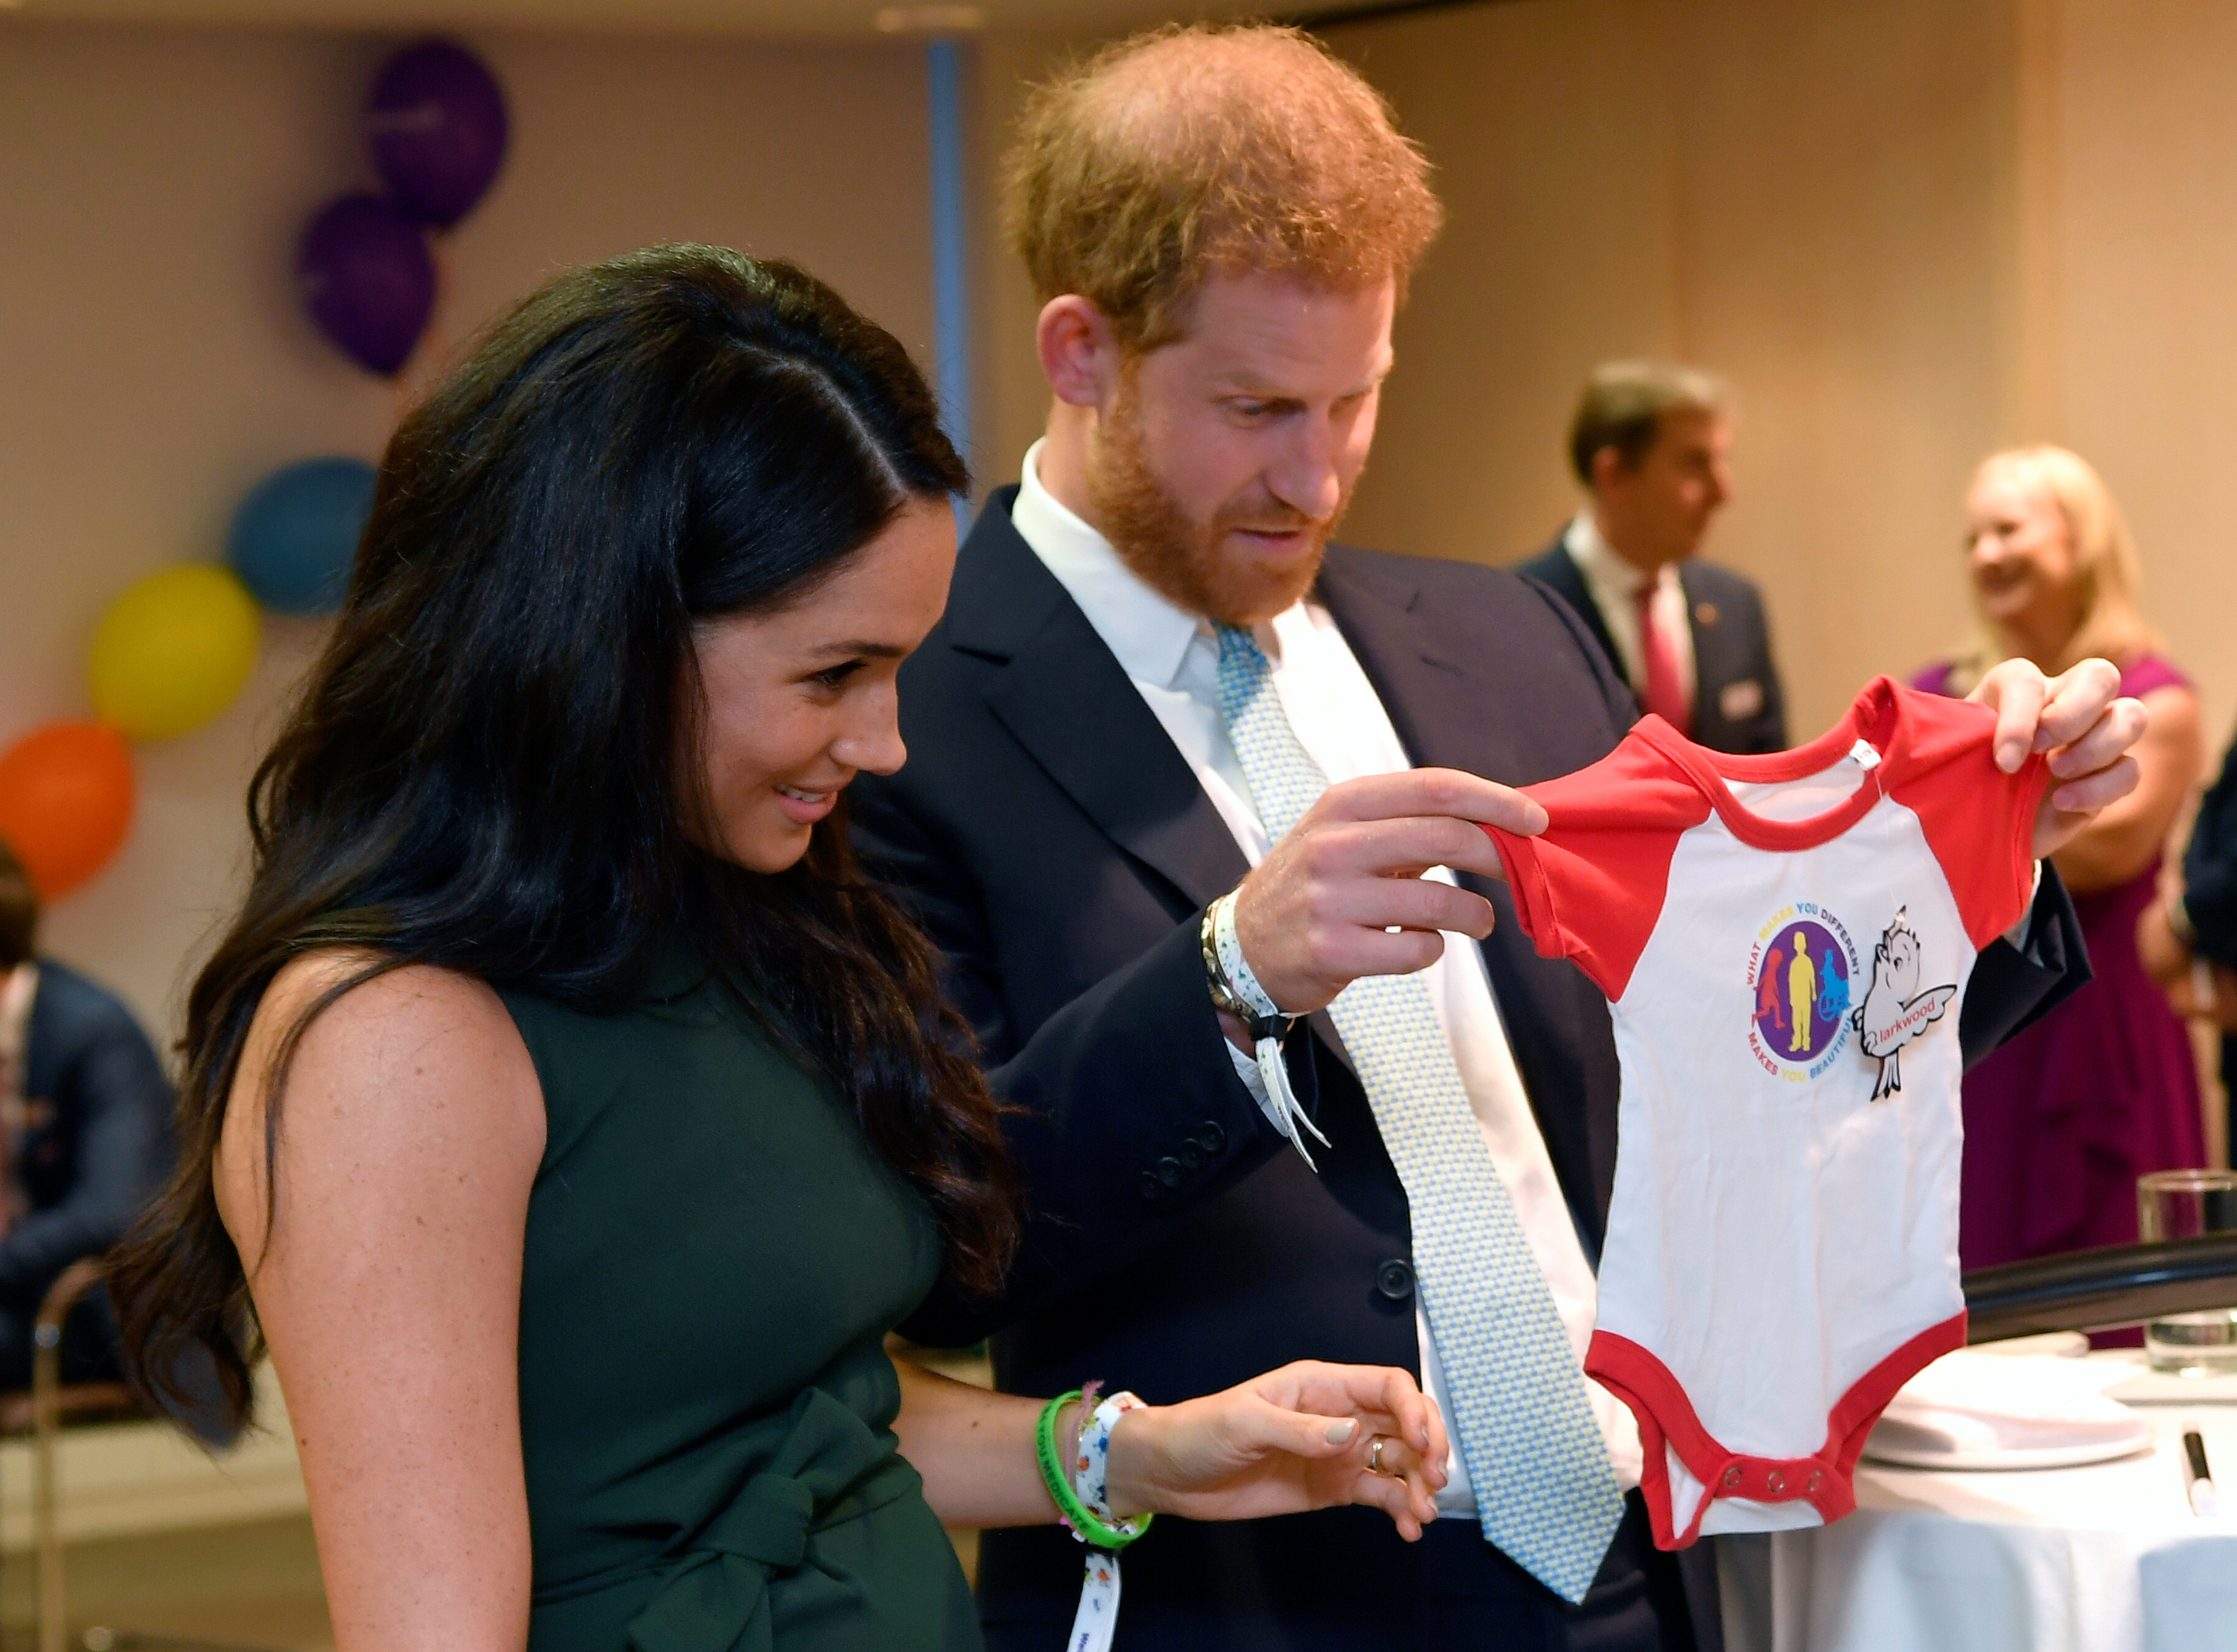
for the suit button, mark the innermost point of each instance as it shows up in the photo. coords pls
(1152, 1189)
(1171, 1173)
(1191, 1154)
(1210, 1137)
(1395, 1279)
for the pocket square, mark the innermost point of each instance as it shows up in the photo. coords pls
(1741, 699)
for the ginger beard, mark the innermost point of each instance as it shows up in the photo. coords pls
(1184, 560)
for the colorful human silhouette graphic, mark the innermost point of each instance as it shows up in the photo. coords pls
(1802, 993)
(1832, 991)
(1766, 992)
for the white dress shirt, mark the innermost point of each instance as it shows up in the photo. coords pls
(1614, 585)
(1173, 656)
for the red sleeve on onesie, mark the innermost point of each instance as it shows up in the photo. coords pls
(1978, 821)
(1590, 887)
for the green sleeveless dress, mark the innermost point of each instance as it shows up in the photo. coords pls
(713, 1256)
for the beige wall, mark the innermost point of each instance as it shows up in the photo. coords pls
(1908, 229)
(1801, 197)
(2143, 295)
(156, 367)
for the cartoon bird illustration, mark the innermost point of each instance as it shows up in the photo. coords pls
(1895, 1010)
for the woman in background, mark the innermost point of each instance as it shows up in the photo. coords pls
(562, 1108)
(2061, 1121)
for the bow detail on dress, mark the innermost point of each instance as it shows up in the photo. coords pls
(715, 1595)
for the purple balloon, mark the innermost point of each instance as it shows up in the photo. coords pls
(436, 124)
(368, 278)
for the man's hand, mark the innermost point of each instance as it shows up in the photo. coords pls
(2078, 718)
(1316, 913)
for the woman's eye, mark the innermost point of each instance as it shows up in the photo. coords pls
(835, 676)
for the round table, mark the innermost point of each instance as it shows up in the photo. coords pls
(2106, 1558)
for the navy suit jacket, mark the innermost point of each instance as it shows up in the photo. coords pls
(98, 1140)
(1062, 852)
(1738, 704)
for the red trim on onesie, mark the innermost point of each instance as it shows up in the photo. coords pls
(1978, 821)
(1825, 1479)
(1590, 887)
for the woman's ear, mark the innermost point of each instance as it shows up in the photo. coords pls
(1079, 350)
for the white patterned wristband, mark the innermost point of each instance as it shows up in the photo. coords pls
(1269, 1025)
(1097, 1619)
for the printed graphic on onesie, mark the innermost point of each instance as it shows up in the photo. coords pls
(1784, 943)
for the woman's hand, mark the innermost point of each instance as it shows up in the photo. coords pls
(2080, 719)
(1294, 1439)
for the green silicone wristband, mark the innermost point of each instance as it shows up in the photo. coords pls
(1086, 1525)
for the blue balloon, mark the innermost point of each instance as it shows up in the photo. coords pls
(295, 537)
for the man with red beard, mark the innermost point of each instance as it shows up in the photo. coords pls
(1184, 775)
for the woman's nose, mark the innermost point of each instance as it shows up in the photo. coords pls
(875, 747)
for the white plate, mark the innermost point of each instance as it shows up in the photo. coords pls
(2038, 1456)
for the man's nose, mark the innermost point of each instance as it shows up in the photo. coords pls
(1306, 477)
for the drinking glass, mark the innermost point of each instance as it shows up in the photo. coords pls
(2182, 1204)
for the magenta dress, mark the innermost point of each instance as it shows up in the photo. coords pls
(2061, 1121)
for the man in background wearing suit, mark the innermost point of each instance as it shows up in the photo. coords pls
(1164, 720)
(1650, 445)
(85, 1136)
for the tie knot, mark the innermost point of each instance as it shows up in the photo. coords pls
(1237, 644)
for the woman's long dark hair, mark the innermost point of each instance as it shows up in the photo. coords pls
(481, 774)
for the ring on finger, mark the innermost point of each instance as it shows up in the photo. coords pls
(1375, 1457)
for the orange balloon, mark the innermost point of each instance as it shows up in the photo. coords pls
(65, 802)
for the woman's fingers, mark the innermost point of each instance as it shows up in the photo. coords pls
(1386, 1391)
(2078, 701)
(1263, 1426)
(2103, 741)
(1391, 1478)
(2015, 691)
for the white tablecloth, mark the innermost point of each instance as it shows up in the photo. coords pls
(2106, 1559)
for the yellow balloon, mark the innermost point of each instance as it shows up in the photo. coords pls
(173, 650)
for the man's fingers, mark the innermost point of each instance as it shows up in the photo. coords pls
(1404, 847)
(1447, 792)
(1379, 904)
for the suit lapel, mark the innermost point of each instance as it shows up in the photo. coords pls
(1425, 680)
(1559, 569)
(1066, 701)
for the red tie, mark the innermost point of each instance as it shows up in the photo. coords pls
(1665, 690)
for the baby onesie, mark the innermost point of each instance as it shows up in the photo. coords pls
(1784, 943)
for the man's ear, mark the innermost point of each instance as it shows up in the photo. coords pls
(1079, 350)
(1608, 465)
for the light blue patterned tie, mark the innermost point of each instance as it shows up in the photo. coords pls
(1545, 1494)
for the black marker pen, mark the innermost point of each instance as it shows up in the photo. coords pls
(2196, 1475)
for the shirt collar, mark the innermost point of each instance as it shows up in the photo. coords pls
(1149, 635)
(1598, 560)
(1607, 574)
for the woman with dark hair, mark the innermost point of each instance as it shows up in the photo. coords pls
(562, 1110)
